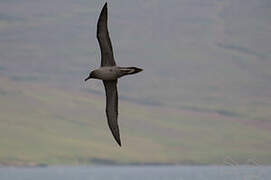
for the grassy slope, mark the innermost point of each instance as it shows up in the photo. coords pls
(42, 124)
(207, 64)
(212, 56)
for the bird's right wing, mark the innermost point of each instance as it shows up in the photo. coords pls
(104, 39)
(112, 108)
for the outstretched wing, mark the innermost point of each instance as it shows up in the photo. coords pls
(104, 39)
(112, 108)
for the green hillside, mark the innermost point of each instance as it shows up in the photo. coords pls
(41, 124)
(204, 95)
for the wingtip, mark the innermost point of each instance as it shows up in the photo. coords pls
(105, 5)
(116, 134)
(117, 138)
(104, 9)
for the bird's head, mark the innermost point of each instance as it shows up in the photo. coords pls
(90, 76)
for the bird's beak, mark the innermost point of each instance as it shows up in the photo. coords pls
(88, 78)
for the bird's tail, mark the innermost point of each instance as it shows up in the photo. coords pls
(130, 70)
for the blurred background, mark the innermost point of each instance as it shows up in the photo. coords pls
(204, 96)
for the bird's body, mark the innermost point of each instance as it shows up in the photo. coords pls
(109, 72)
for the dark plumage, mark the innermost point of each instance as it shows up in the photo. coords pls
(109, 73)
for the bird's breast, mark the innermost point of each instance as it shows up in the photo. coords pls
(106, 73)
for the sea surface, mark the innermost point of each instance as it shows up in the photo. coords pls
(137, 173)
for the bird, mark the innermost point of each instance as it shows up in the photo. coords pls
(109, 73)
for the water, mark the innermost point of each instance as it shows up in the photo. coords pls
(138, 173)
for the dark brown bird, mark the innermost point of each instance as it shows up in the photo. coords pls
(109, 73)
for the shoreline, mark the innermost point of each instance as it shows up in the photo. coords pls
(44, 165)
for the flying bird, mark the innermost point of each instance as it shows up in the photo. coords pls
(109, 73)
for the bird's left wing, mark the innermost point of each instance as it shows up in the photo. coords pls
(104, 39)
(112, 108)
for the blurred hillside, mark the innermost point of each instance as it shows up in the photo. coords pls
(204, 94)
